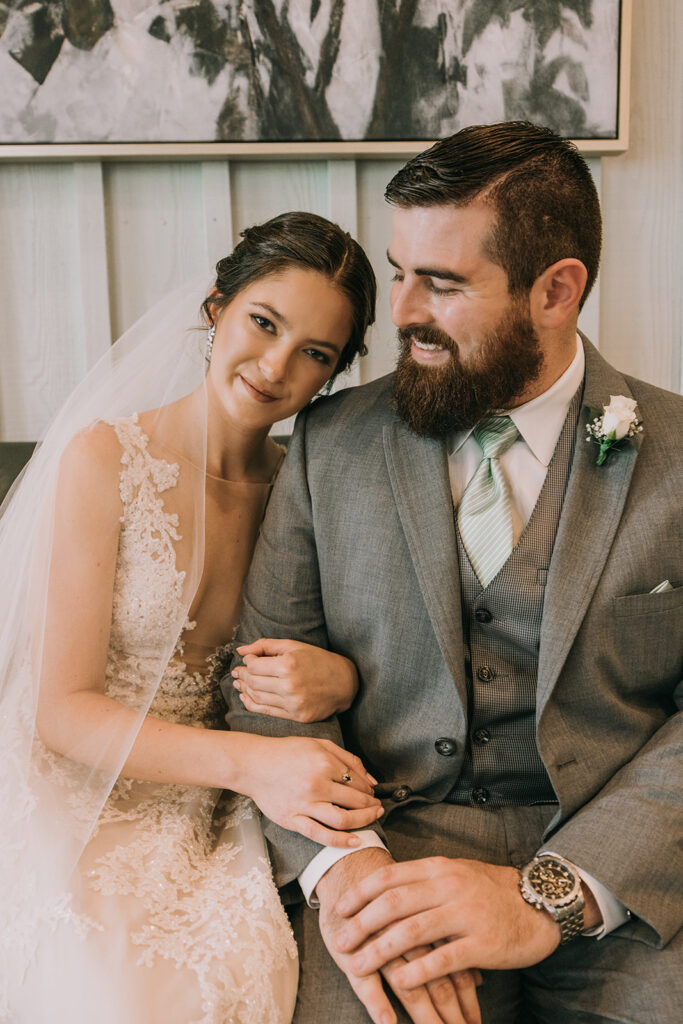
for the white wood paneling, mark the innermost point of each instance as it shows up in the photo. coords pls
(43, 318)
(261, 190)
(216, 191)
(589, 319)
(374, 234)
(91, 252)
(642, 298)
(342, 208)
(156, 234)
(85, 248)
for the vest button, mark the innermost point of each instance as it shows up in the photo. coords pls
(402, 793)
(483, 615)
(445, 746)
(482, 736)
(480, 796)
(485, 674)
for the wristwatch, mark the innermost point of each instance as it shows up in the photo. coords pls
(551, 883)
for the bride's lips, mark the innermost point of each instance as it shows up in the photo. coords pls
(258, 393)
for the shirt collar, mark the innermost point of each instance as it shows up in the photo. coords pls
(540, 421)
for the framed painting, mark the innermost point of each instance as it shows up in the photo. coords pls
(214, 78)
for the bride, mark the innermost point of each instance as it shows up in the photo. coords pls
(134, 889)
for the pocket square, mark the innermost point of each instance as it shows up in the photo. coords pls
(661, 587)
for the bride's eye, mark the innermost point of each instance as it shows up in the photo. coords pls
(263, 322)
(319, 356)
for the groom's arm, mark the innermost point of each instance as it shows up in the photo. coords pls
(282, 599)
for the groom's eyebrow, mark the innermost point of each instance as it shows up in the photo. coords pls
(440, 272)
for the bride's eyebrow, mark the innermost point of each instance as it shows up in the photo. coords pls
(272, 312)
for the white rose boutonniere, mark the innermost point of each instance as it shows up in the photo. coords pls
(617, 423)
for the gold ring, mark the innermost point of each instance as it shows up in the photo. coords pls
(346, 777)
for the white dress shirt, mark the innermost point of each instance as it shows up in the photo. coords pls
(524, 466)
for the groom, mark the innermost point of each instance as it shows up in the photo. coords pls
(515, 612)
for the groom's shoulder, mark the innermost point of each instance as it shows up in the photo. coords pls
(658, 400)
(353, 410)
(659, 411)
(661, 414)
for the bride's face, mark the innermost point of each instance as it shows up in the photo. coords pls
(277, 344)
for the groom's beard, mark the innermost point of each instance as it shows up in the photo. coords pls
(437, 400)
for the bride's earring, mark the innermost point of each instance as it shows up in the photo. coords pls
(210, 334)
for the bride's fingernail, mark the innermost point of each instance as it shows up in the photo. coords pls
(353, 841)
(372, 779)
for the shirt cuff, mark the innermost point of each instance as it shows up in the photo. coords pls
(613, 911)
(329, 855)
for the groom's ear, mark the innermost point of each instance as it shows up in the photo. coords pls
(556, 293)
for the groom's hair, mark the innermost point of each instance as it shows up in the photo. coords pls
(538, 184)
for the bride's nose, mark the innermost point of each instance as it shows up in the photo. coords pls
(273, 364)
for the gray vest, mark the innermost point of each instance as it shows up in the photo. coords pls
(501, 631)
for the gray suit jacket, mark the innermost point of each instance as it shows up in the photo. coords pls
(357, 553)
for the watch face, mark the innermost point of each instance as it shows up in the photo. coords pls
(554, 882)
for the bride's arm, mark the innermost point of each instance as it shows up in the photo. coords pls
(290, 679)
(295, 780)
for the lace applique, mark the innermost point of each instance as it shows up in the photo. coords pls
(202, 912)
(148, 594)
(179, 849)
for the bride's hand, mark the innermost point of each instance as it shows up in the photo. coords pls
(313, 787)
(288, 679)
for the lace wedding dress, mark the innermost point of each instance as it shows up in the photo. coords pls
(175, 918)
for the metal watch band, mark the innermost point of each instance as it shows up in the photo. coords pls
(571, 925)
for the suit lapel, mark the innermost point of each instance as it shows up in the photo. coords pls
(418, 472)
(591, 512)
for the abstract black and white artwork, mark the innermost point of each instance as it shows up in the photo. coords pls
(112, 71)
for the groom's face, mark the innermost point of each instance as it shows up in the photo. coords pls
(467, 347)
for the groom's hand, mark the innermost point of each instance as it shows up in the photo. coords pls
(471, 911)
(449, 1000)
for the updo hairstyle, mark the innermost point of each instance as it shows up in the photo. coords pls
(302, 240)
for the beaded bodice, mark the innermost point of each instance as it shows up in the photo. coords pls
(148, 598)
(148, 589)
(193, 859)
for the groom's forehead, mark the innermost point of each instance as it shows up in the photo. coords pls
(428, 237)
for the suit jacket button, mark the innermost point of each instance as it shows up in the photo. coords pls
(485, 674)
(483, 615)
(480, 796)
(402, 793)
(445, 746)
(482, 736)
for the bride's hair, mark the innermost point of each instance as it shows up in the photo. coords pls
(305, 240)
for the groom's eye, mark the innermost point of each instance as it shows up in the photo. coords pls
(450, 289)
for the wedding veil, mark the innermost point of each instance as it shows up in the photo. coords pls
(49, 803)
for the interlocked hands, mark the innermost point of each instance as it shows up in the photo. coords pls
(471, 913)
(449, 999)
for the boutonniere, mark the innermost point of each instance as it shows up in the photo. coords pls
(615, 427)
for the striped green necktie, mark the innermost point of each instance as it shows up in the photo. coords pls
(484, 512)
